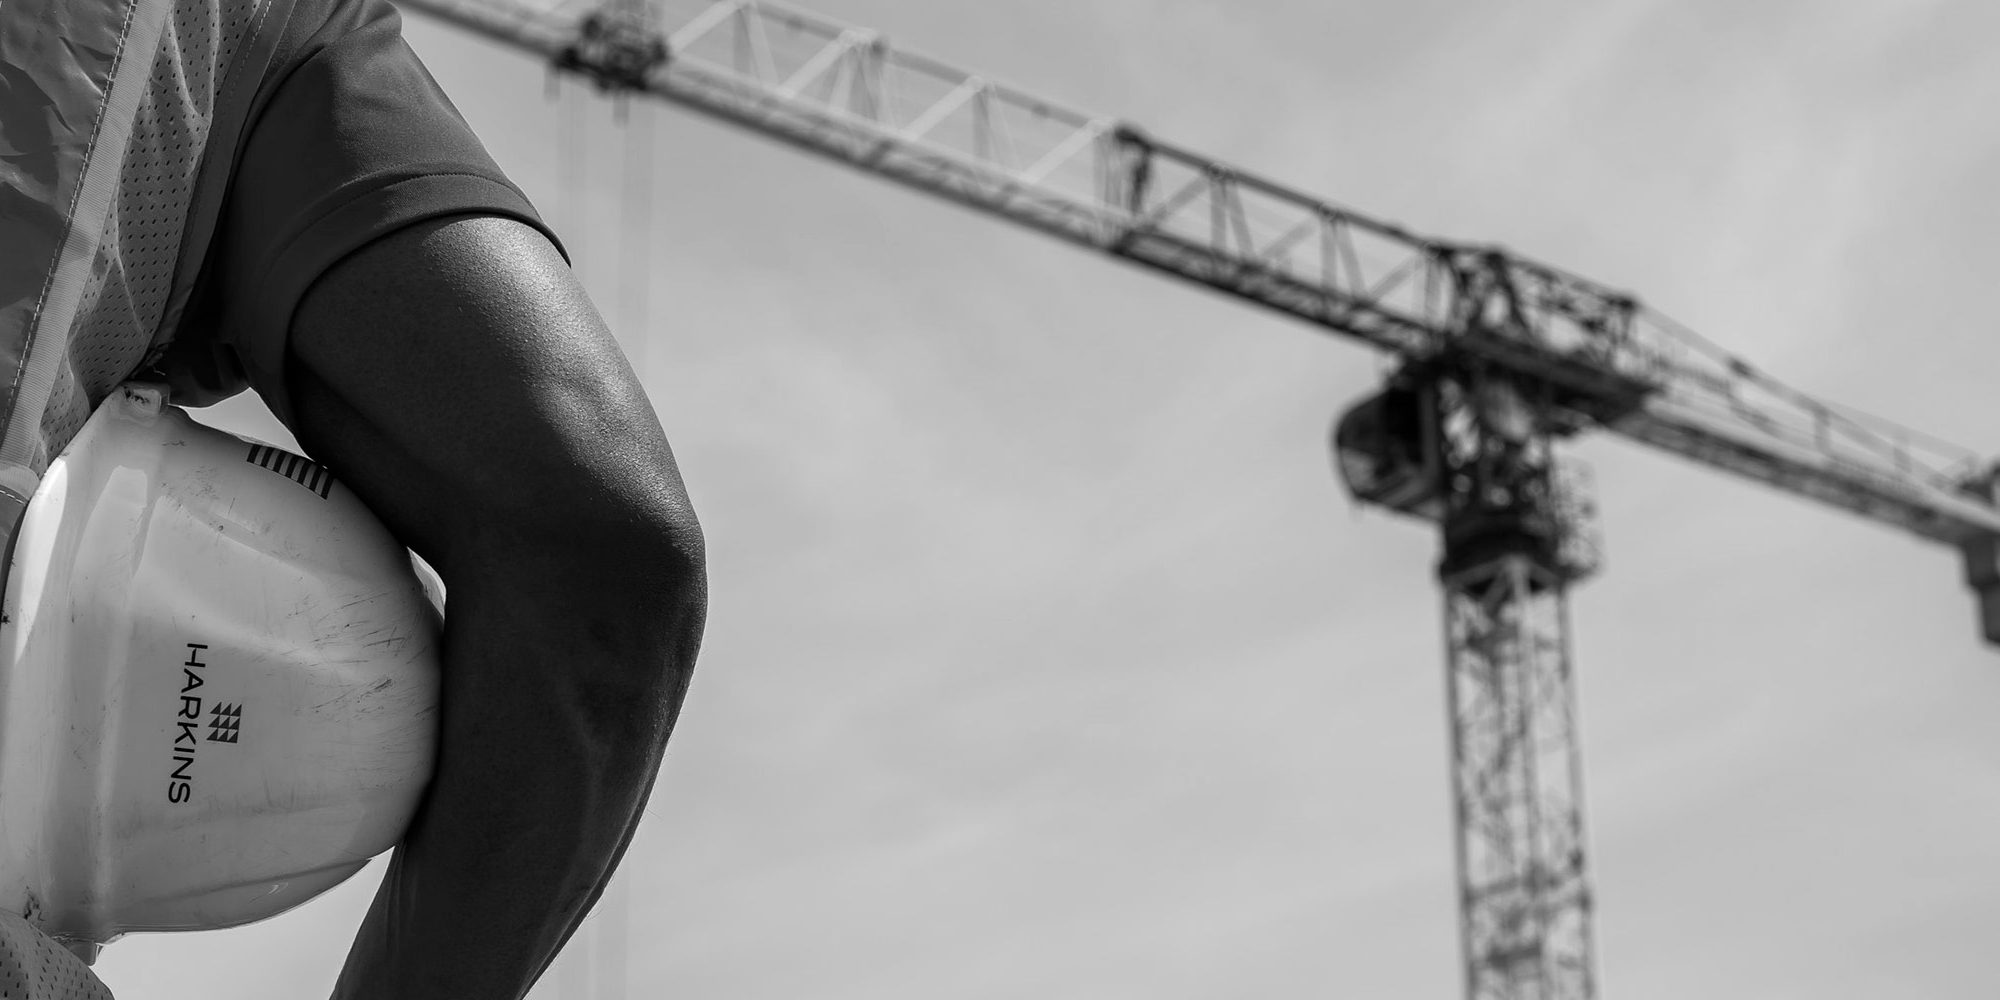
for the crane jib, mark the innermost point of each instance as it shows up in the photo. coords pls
(1130, 195)
(1591, 354)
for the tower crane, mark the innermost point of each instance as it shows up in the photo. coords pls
(1498, 359)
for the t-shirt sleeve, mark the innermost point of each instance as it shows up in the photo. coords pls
(351, 140)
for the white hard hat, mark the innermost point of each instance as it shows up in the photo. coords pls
(218, 682)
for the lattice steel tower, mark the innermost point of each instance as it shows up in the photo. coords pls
(1459, 442)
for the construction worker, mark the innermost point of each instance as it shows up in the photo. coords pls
(275, 195)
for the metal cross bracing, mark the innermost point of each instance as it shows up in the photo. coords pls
(1500, 357)
(847, 93)
(1524, 907)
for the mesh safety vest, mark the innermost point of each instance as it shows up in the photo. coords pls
(108, 111)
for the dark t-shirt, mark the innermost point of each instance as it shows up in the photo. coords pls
(349, 139)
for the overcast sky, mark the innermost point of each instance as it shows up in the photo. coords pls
(1047, 657)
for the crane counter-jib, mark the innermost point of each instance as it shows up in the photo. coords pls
(846, 93)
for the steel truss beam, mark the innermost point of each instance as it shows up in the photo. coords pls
(847, 93)
(1517, 784)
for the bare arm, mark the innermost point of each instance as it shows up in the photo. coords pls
(454, 374)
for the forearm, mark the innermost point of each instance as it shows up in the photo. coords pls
(557, 701)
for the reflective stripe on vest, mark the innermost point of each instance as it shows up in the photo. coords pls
(74, 90)
(74, 73)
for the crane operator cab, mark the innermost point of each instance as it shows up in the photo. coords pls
(218, 682)
(1385, 452)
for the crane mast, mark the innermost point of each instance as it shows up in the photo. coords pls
(1500, 358)
(1461, 444)
(1517, 792)
(1516, 533)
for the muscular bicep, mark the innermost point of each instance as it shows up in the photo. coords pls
(455, 374)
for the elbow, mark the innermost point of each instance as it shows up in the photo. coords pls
(637, 601)
(675, 583)
(666, 590)
(660, 563)
(681, 551)
(664, 546)
(627, 585)
(616, 539)
(674, 598)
